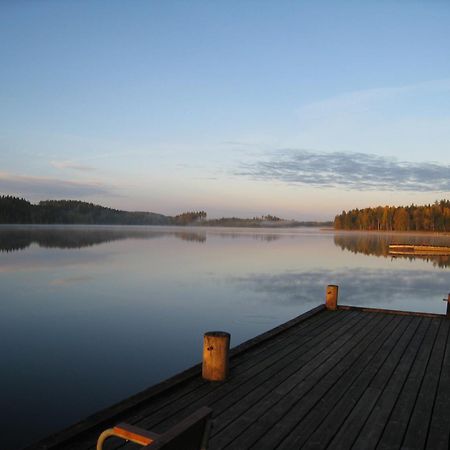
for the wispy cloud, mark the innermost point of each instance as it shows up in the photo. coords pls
(72, 165)
(50, 187)
(372, 100)
(400, 120)
(354, 171)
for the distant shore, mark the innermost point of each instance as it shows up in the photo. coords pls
(400, 233)
(16, 210)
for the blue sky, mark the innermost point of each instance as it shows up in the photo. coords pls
(299, 109)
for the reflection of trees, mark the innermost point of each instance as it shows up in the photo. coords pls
(256, 236)
(378, 244)
(19, 238)
(71, 237)
(192, 237)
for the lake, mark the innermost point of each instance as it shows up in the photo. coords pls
(91, 315)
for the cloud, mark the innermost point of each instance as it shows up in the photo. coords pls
(49, 187)
(356, 103)
(404, 120)
(353, 171)
(370, 100)
(71, 165)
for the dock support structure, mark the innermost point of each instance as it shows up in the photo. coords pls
(216, 347)
(331, 299)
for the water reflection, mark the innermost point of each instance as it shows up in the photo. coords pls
(19, 238)
(377, 244)
(406, 289)
(71, 237)
(253, 234)
(125, 290)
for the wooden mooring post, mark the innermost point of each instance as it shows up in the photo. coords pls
(448, 305)
(331, 299)
(216, 347)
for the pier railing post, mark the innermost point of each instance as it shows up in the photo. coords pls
(216, 347)
(448, 306)
(331, 299)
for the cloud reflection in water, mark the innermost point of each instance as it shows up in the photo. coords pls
(358, 287)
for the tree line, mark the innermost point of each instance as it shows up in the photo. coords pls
(14, 210)
(189, 217)
(431, 217)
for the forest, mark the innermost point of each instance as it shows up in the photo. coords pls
(14, 210)
(432, 217)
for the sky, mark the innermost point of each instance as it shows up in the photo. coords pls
(241, 108)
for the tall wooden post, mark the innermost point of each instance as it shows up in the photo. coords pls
(331, 299)
(216, 346)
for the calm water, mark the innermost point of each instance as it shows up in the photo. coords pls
(90, 315)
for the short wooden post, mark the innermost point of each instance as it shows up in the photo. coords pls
(448, 306)
(331, 299)
(216, 346)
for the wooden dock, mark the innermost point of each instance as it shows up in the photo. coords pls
(350, 378)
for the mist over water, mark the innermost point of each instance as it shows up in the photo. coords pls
(90, 315)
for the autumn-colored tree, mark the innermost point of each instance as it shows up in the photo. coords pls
(435, 217)
(401, 220)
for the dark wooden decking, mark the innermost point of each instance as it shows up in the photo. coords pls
(352, 378)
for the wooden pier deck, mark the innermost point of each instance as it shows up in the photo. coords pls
(350, 378)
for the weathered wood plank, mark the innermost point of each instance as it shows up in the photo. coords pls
(326, 406)
(374, 426)
(417, 431)
(298, 384)
(363, 406)
(391, 311)
(439, 433)
(338, 383)
(395, 429)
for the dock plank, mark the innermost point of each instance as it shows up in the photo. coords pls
(417, 431)
(374, 426)
(329, 407)
(439, 433)
(360, 408)
(291, 410)
(296, 386)
(398, 420)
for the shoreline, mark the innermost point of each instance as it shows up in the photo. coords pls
(199, 227)
(400, 233)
